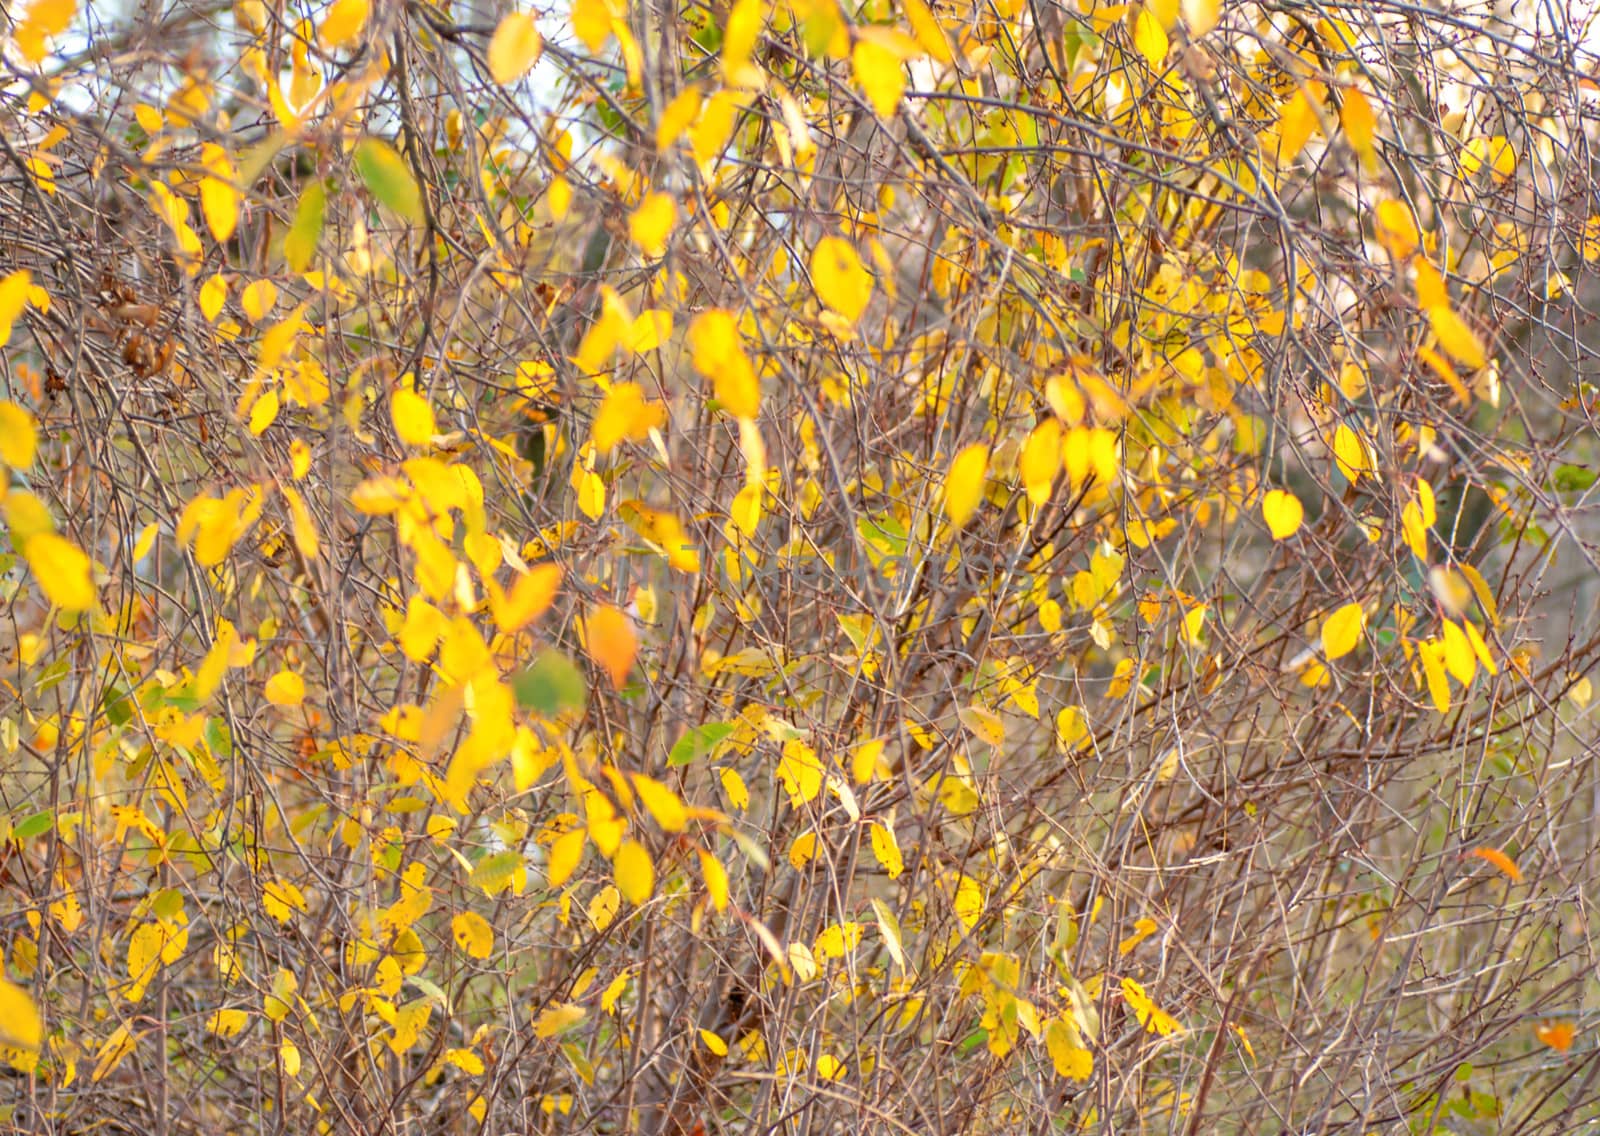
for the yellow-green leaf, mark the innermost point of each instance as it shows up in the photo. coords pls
(389, 178)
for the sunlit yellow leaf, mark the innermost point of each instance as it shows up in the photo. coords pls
(1067, 1051)
(626, 415)
(1283, 513)
(881, 76)
(1458, 340)
(1201, 16)
(413, 417)
(1149, 37)
(714, 344)
(62, 571)
(20, 1025)
(634, 872)
(13, 298)
(716, 880)
(841, 280)
(514, 48)
(1040, 461)
(676, 117)
(19, 436)
(1396, 228)
(1341, 631)
(925, 26)
(591, 23)
(651, 223)
(343, 22)
(964, 484)
(1353, 453)
(1355, 115)
(219, 195)
(1151, 1017)
(226, 1023)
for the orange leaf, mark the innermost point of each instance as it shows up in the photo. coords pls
(1500, 860)
(1557, 1035)
(611, 643)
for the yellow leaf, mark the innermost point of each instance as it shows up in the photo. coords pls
(1355, 115)
(212, 294)
(473, 934)
(803, 849)
(1431, 655)
(1458, 340)
(661, 803)
(413, 417)
(879, 73)
(716, 880)
(714, 1043)
(1283, 513)
(344, 22)
(566, 851)
(841, 280)
(19, 436)
(1495, 154)
(963, 485)
(714, 345)
(286, 688)
(926, 28)
(1142, 930)
(1396, 228)
(1201, 16)
(110, 1054)
(1431, 290)
(281, 899)
(514, 48)
(886, 849)
(1353, 454)
(304, 529)
(19, 1020)
(13, 298)
(591, 23)
(634, 872)
(1067, 1053)
(983, 724)
(676, 117)
(651, 223)
(742, 29)
(264, 413)
(558, 1019)
(1459, 658)
(219, 196)
(800, 771)
(1500, 860)
(1041, 461)
(626, 416)
(609, 638)
(226, 1023)
(1341, 631)
(1149, 37)
(1150, 1016)
(62, 570)
(45, 19)
(1296, 124)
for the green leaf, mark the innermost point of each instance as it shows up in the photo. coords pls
(551, 685)
(36, 825)
(698, 742)
(1572, 478)
(389, 179)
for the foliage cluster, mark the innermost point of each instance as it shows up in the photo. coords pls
(797, 565)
